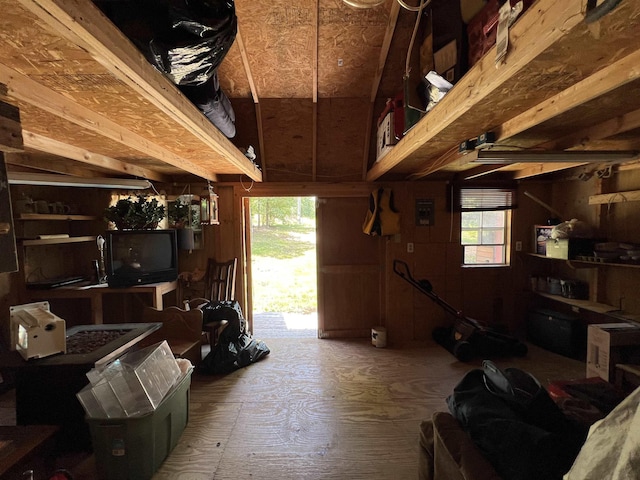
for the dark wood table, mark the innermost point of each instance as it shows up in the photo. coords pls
(26, 448)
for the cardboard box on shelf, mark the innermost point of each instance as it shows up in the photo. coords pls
(609, 344)
(569, 248)
(386, 136)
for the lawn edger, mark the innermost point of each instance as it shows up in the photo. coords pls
(466, 338)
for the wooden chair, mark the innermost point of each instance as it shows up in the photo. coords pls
(220, 280)
(182, 329)
(220, 285)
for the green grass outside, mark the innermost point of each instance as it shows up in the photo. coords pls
(284, 269)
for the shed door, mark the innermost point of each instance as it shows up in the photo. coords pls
(350, 299)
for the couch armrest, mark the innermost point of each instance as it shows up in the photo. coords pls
(448, 453)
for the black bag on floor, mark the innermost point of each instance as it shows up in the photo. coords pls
(228, 310)
(515, 423)
(235, 348)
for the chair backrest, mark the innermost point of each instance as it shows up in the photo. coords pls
(220, 280)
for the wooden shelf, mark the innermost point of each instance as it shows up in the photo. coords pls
(587, 264)
(524, 91)
(94, 97)
(585, 304)
(55, 217)
(592, 307)
(57, 241)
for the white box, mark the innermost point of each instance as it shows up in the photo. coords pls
(36, 332)
(609, 344)
(386, 136)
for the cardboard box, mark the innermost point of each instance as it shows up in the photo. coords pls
(386, 136)
(569, 248)
(609, 344)
(541, 233)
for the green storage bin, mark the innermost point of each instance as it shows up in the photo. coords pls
(134, 448)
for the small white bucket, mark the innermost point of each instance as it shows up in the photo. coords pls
(379, 337)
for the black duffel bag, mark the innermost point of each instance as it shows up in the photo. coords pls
(515, 423)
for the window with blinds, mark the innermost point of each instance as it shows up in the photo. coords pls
(485, 222)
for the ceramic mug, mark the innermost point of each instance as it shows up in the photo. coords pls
(25, 206)
(61, 208)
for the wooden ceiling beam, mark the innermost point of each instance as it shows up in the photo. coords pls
(543, 168)
(54, 147)
(314, 75)
(609, 128)
(448, 157)
(24, 161)
(256, 100)
(614, 126)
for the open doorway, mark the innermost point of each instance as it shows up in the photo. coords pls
(283, 267)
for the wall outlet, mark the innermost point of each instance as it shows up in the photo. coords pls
(518, 246)
(410, 247)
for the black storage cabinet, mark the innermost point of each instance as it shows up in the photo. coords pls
(558, 332)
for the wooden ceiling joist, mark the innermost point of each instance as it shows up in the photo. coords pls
(603, 81)
(50, 164)
(24, 89)
(54, 147)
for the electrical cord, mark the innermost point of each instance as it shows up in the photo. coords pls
(423, 3)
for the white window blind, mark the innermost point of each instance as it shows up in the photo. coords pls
(473, 199)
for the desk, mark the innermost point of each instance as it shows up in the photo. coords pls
(95, 294)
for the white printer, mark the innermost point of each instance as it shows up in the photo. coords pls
(36, 332)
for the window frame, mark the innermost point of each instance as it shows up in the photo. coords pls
(483, 198)
(506, 243)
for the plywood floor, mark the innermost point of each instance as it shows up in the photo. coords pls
(323, 409)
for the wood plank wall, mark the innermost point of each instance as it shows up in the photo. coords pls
(496, 296)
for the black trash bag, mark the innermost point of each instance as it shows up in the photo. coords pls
(235, 348)
(214, 103)
(200, 36)
(228, 356)
(228, 310)
(516, 425)
(185, 39)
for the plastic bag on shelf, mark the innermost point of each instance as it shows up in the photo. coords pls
(200, 35)
(574, 228)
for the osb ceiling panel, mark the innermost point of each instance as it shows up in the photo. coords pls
(279, 41)
(349, 43)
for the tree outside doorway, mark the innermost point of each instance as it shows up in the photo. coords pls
(283, 266)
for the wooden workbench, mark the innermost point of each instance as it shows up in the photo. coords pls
(96, 293)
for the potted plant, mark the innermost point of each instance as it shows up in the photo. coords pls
(178, 213)
(135, 214)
